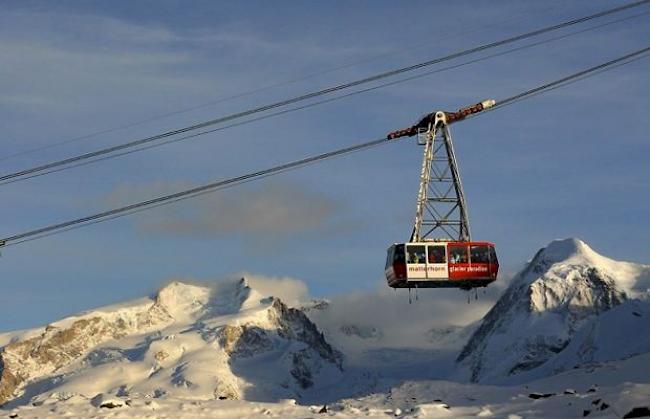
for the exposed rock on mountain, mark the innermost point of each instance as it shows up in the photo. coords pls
(363, 332)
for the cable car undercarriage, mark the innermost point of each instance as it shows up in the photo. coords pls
(440, 252)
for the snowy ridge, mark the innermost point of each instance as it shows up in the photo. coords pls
(564, 287)
(189, 341)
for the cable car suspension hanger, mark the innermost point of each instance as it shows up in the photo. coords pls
(440, 253)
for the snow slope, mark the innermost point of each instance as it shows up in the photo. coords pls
(565, 292)
(608, 391)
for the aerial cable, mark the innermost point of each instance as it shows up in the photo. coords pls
(320, 102)
(214, 186)
(258, 90)
(569, 82)
(311, 95)
(356, 148)
(632, 56)
(189, 193)
(566, 81)
(491, 105)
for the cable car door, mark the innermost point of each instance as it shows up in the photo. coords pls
(437, 262)
(416, 262)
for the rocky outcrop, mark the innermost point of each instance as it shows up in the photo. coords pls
(294, 324)
(244, 341)
(8, 382)
(363, 332)
(287, 325)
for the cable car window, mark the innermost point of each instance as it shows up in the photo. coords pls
(437, 254)
(479, 254)
(390, 255)
(493, 256)
(398, 257)
(415, 254)
(457, 254)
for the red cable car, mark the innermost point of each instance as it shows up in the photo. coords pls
(451, 259)
(441, 265)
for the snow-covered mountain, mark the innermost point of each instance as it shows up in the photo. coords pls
(223, 342)
(561, 311)
(569, 337)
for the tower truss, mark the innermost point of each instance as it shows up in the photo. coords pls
(441, 211)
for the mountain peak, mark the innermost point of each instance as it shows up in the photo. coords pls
(183, 300)
(563, 249)
(571, 253)
(180, 290)
(564, 286)
(180, 298)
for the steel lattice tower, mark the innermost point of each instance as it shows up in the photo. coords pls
(441, 210)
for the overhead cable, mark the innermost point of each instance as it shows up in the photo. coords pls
(143, 141)
(322, 101)
(463, 32)
(196, 191)
(214, 186)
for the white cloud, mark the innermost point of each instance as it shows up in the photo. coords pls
(403, 324)
(53, 58)
(292, 292)
(272, 209)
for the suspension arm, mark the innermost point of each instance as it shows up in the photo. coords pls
(425, 122)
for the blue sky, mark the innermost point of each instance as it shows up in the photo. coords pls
(570, 163)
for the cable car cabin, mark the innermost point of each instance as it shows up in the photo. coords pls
(441, 265)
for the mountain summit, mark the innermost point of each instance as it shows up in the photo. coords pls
(221, 342)
(566, 285)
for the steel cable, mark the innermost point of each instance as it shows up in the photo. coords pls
(311, 95)
(324, 101)
(251, 92)
(211, 187)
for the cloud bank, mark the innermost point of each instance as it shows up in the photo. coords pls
(275, 209)
(397, 323)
